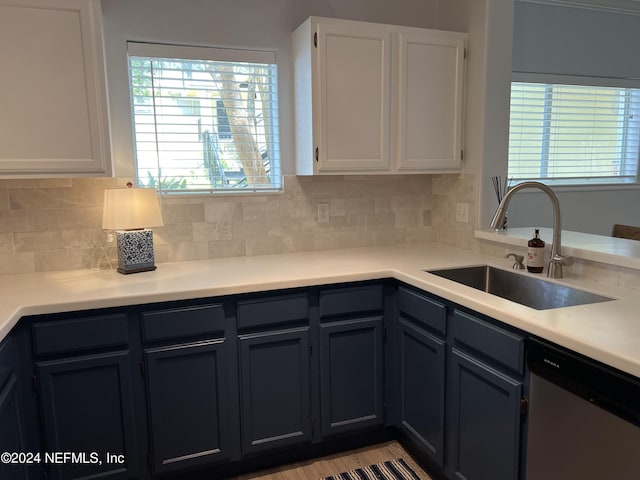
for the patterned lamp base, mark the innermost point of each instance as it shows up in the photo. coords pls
(135, 251)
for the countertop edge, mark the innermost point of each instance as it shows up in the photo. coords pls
(607, 333)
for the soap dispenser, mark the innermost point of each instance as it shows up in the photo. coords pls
(535, 253)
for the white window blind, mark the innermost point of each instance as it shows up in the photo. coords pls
(204, 119)
(573, 134)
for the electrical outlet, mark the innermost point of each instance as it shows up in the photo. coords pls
(323, 212)
(462, 212)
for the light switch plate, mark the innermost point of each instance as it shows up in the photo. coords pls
(323, 212)
(462, 212)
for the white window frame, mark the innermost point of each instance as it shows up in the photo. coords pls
(587, 182)
(167, 51)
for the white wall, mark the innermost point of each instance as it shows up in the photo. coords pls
(230, 23)
(585, 42)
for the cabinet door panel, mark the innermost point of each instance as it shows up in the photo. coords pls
(354, 88)
(87, 406)
(188, 405)
(421, 382)
(351, 375)
(11, 430)
(53, 122)
(485, 422)
(275, 389)
(430, 100)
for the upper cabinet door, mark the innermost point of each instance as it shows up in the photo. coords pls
(353, 95)
(373, 98)
(54, 111)
(430, 95)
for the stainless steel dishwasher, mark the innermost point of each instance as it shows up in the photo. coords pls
(584, 418)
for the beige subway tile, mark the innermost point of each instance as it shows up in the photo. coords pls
(4, 199)
(387, 236)
(37, 241)
(426, 218)
(223, 211)
(254, 210)
(344, 239)
(361, 205)
(81, 196)
(187, 251)
(337, 207)
(13, 221)
(206, 232)
(320, 186)
(27, 198)
(6, 243)
(11, 263)
(279, 244)
(421, 184)
(419, 234)
(31, 183)
(227, 248)
(410, 218)
(185, 213)
(381, 219)
(170, 234)
(53, 260)
(82, 238)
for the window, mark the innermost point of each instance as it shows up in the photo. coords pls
(573, 134)
(204, 119)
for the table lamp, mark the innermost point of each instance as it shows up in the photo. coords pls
(130, 211)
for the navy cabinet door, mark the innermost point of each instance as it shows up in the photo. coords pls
(87, 407)
(421, 370)
(275, 389)
(11, 430)
(189, 405)
(485, 429)
(351, 375)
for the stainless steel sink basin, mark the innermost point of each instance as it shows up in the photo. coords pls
(517, 287)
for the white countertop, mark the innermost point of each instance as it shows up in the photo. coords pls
(608, 331)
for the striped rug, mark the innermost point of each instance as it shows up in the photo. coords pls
(389, 470)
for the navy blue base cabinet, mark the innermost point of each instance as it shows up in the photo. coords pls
(87, 407)
(275, 389)
(12, 434)
(190, 386)
(275, 383)
(486, 391)
(86, 398)
(206, 387)
(420, 376)
(351, 359)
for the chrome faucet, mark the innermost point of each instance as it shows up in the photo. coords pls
(557, 260)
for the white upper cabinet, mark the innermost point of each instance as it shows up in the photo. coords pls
(373, 98)
(53, 119)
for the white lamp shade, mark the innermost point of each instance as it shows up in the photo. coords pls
(131, 208)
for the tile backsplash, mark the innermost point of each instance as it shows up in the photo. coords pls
(55, 224)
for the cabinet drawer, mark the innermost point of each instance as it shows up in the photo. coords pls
(271, 311)
(343, 301)
(499, 345)
(423, 310)
(183, 322)
(6, 360)
(78, 334)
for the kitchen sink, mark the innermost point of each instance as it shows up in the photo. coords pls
(518, 287)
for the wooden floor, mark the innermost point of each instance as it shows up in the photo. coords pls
(318, 468)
